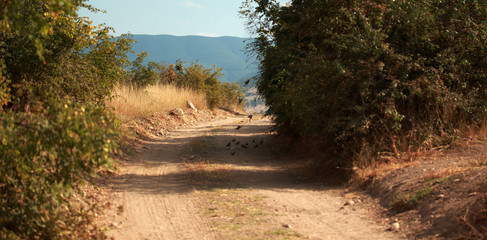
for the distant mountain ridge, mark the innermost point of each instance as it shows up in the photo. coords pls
(225, 52)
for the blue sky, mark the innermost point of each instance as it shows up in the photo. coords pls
(175, 17)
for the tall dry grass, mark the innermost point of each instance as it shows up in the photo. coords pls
(130, 103)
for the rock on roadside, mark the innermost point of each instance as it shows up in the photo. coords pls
(191, 105)
(178, 112)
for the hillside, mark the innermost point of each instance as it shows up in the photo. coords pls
(225, 52)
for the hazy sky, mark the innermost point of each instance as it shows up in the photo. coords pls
(175, 17)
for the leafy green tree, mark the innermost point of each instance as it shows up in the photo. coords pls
(143, 75)
(45, 157)
(366, 76)
(198, 78)
(31, 31)
(78, 60)
(56, 71)
(33, 18)
(231, 95)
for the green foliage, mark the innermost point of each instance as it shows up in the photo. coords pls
(195, 77)
(363, 76)
(198, 78)
(80, 62)
(56, 71)
(233, 95)
(406, 201)
(4, 83)
(45, 156)
(142, 75)
(33, 18)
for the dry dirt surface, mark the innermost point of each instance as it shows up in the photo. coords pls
(440, 194)
(214, 181)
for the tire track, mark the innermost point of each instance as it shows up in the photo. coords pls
(156, 192)
(158, 202)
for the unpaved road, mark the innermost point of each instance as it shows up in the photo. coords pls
(192, 186)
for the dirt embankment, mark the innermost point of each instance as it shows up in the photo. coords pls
(439, 194)
(221, 180)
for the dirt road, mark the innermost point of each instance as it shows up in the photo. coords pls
(213, 181)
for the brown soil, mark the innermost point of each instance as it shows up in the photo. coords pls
(189, 185)
(438, 195)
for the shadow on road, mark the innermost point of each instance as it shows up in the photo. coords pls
(209, 157)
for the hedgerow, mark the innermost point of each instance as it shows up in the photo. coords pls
(79, 61)
(361, 77)
(46, 156)
(56, 72)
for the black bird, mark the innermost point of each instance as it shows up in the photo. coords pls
(233, 153)
(250, 118)
(244, 146)
(247, 82)
(262, 141)
(228, 145)
(256, 145)
(253, 140)
(233, 140)
(237, 143)
(238, 128)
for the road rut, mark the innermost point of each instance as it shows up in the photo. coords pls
(192, 185)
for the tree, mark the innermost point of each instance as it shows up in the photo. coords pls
(362, 77)
(142, 75)
(232, 93)
(72, 59)
(56, 71)
(198, 78)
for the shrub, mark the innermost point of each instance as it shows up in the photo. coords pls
(78, 60)
(141, 75)
(232, 95)
(362, 76)
(56, 71)
(45, 157)
(199, 78)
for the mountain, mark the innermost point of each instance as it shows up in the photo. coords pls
(225, 52)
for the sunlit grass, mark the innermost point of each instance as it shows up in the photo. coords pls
(130, 103)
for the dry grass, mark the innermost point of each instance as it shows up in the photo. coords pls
(387, 163)
(446, 173)
(475, 218)
(132, 103)
(376, 171)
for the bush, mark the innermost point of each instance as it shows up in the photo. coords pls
(56, 71)
(233, 95)
(198, 78)
(362, 77)
(45, 157)
(140, 75)
(78, 61)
